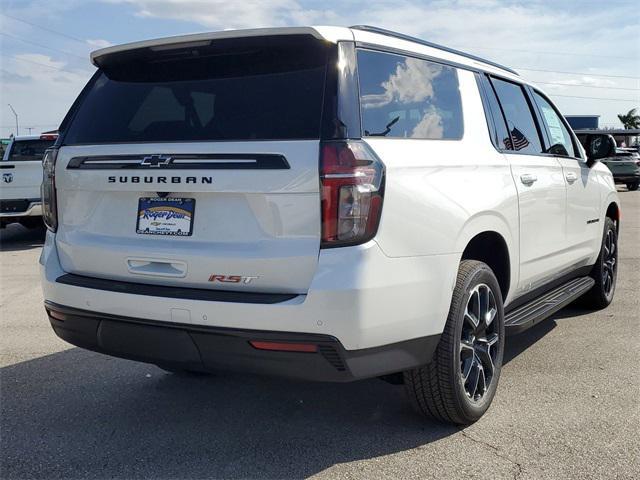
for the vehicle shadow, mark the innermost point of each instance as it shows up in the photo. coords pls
(516, 344)
(80, 414)
(15, 237)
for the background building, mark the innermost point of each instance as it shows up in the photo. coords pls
(580, 122)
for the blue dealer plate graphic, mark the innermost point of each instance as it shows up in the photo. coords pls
(165, 216)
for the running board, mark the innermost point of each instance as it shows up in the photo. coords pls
(543, 307)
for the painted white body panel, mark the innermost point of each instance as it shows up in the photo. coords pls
(584, 197)
(26, 177)
(262, 223)
(542, 217)
(438, 196)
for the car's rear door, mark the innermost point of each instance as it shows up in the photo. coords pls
(584, 232)
(541, 189)
(197, 166)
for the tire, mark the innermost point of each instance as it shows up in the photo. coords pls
(32, 222)
(605, 270)
(439, 390)
(632, 187)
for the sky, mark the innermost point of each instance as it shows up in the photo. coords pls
(585, 54)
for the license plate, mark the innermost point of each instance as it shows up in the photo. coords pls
(165, 216)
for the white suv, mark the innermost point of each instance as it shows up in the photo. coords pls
(21, 169)
(321, 203)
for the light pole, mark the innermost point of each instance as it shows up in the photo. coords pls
(14, 112)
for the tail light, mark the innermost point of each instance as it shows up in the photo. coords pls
(284, 347)
(49, 136)
(48, 189)
(352, 179)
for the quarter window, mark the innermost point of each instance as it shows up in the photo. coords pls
(501, 139)
(559, 136)
(408, 97)
(522, 127)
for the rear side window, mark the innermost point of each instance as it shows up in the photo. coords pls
(408, 97)
(28, 150)
(522, 127)
(559, 136)
(501, 138)
(261, 88)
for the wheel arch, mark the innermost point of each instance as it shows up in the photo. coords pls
(491, 248)
(488, 238)
(613, 212)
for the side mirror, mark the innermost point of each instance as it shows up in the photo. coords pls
(599, 146)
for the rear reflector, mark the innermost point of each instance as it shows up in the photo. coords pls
(284, 347)
(57, 315)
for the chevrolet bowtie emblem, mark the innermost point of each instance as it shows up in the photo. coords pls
(155, 161)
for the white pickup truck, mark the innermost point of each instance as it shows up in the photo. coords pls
(21, 168)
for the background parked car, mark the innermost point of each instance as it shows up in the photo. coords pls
(21, 168)
(625, 166)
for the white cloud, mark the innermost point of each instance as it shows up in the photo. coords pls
(99, 43)
(430, 126)
(221, 14)
(411, 82)
(37, 61)
(41, 90)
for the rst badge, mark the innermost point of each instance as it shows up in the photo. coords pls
(7, 177)
(232, 278)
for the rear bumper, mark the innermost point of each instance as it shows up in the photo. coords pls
(205, 348)
(20, 208)
(626, 178)
(358, 296)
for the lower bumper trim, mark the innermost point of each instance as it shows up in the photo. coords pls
(626, 178)
(187, 293)
(203, 348)
(20, 208)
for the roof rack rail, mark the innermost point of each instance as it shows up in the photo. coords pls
(391, 33)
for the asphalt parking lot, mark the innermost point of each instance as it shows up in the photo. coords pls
(567, 405)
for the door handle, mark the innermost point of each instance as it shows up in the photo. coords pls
(571, 177)
(157, 267)
(528, 179)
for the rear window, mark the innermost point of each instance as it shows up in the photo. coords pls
(28, 150)
(267, 88)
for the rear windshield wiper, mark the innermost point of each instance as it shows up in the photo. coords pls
(386, 130)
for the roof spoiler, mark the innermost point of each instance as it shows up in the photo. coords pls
(198, 40)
